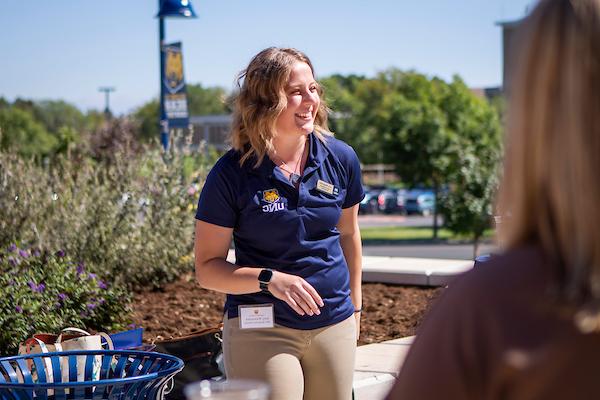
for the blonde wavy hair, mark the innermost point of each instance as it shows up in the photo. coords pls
(551, 188)
(261, 98)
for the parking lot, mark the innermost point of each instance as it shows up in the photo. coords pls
(389, 200)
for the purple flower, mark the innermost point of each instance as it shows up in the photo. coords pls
(13, 261)
(60, 253)
(57, 305)
(132, 326)
(12, 248)
(23, 253)
(62, 297)
(91, 306)
(36, 288)
(80, 267)
(19, 309)
(102, 285)
(92, 276)
(37, 253)
(101, 301)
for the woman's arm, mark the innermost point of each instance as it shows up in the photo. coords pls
(352, 248)
(214, 272)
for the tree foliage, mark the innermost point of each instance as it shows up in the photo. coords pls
(20, 133)
(57, 114)
(467, 207)
(46, 127)
(436, 134)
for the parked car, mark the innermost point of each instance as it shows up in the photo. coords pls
(369, 205)
(419, 202)
(391, 201)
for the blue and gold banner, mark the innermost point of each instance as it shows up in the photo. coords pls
(174, 101)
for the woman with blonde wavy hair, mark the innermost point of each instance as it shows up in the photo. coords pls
(526, 324)
(288, 194)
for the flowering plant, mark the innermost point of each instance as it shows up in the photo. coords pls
(132, 218)
(45, 292)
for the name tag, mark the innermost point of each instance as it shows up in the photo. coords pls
(326, 188)
(256, 316)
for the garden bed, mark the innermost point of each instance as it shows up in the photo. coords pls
(389, 311)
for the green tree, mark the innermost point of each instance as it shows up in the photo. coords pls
(147, 118)
(94, 119)
(423, 126)
(60, 119)
(413, 130)
(355, 101)
(467, 207)
(206, 101)
(20, 133)
(57, 114)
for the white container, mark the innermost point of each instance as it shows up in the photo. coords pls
(236, 389)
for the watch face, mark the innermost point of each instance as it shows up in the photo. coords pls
(265, 275)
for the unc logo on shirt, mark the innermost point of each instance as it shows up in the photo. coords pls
(271, 196)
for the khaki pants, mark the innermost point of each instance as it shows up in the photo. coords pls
(315, 364)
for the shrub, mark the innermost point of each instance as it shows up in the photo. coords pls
(131, 219)
(45, 292)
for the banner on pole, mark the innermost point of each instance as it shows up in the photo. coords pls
(174, 92)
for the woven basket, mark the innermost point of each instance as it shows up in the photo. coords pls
(123, 375)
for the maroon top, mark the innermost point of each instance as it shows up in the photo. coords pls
(498, 333)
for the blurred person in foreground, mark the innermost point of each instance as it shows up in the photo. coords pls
(526, 324)
(288, 192)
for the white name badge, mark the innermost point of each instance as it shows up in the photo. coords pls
(256, 316)
(326, 188)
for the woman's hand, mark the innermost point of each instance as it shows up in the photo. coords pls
(296, 292)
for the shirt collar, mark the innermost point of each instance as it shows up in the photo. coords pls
(317, 153)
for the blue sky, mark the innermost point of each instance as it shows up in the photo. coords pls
(66, 49)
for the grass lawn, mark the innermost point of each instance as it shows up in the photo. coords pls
(408, 233)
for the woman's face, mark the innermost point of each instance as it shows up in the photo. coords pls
(303, 101)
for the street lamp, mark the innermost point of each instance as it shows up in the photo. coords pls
(168, 8)
(106, 90)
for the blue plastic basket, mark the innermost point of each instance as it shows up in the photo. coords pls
(104, 374)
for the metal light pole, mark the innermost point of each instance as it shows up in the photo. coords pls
(168, 8)
(107, 90)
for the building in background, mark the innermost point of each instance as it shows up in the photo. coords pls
(509, 29)
(210, 131)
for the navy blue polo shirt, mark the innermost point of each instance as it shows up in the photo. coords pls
(286, 229)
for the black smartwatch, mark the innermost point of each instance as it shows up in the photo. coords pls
(264, 278)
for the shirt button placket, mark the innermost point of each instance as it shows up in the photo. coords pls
(301, 198)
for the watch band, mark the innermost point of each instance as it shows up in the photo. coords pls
(264, 278)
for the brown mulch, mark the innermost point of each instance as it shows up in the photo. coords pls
(389, 311)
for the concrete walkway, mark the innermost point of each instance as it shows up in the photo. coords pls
(377, 366)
